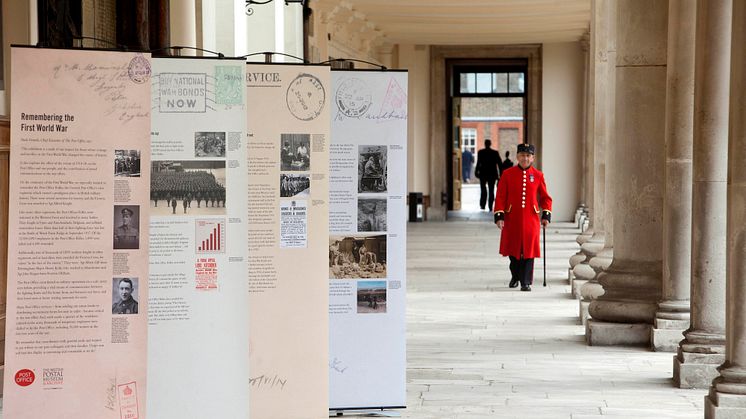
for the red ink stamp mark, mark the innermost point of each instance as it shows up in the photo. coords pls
(128, 406)
(25, 377)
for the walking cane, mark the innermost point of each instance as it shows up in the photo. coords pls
(544, 234)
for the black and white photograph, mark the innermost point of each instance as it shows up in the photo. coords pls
(209, 144)
(127, 163)
(355, 257)
(126, 226)
(371, 297)
(187, 187)
(371, 214)
(371, 169)
(124, 295)
(295, 152)
(295, 185)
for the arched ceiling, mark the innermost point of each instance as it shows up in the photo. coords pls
(469, 22)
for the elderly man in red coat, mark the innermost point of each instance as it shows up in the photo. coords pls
(521, 201)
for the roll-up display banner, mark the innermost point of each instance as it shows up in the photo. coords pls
(77, 310)
(367, 240)
(198, 343)
(288, 138)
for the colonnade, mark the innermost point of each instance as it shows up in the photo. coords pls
(663, 263)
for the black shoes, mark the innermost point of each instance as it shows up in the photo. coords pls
(513, 283)
(526, 288)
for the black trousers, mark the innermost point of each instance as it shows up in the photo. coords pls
(523, 270)
(483, 184)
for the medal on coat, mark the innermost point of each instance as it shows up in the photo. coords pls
(531, 178)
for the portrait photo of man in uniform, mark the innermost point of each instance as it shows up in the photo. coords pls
(126, 227)
(123, 296)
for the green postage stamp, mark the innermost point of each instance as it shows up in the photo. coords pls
(228, 85)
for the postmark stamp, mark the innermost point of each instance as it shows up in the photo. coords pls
(129, 408)
(228, 85)
(139, 69)
(182, 92)
(353, 98)
(394, 103)
(306, 97)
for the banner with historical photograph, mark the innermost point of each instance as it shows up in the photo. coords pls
(78, 272)
(367, 239)
(199, 315)
(288, 137)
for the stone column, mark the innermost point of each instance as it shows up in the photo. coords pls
(625, 313)
(588, 155)
(183, 20)
(603, 259)
(703, 348)
(672, 317)
(585, 46)
(727, 398)
(585, 271)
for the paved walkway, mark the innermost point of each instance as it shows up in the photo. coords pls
(477, 349)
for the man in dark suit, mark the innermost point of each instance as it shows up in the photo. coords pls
(488, 164)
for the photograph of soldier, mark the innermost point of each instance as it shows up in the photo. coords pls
(371, 296)
(295, 185)
(352, 257)
(124, 292)
(126, 226)
(371, 214)
(295, 152)
(371, 168)
(127, 163)
(209, 144)
(187, 187)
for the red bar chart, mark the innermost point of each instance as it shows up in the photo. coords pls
(210, 236)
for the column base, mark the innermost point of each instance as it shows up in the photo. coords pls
(666, 334)
(576, 286)
(598, 333)
(696, 370)
(724, 405)
(583, 310)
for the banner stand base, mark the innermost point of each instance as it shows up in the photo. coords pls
(365, 413)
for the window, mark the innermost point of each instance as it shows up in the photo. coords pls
(469, 139)
(492, 83)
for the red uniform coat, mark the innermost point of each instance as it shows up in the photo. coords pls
(521, 196)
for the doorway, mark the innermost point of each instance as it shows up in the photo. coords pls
(488, 101)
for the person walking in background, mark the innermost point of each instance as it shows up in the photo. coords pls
(507, 163)
(521, 196)
(467, 159)
(488, 164)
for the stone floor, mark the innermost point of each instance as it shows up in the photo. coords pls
(477, 349)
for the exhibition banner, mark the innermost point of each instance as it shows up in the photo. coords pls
(367, 239)
(198, 340)
(78, 260)
(288, 136)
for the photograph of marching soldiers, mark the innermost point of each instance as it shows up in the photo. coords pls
(372, 168)
(371, 296)
(352, 257)
(187, 187)
(295, 185)
(295, 152)
(209, 144)
(371, 214)
(127, 163)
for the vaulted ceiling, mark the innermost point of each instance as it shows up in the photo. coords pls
(470, 22)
